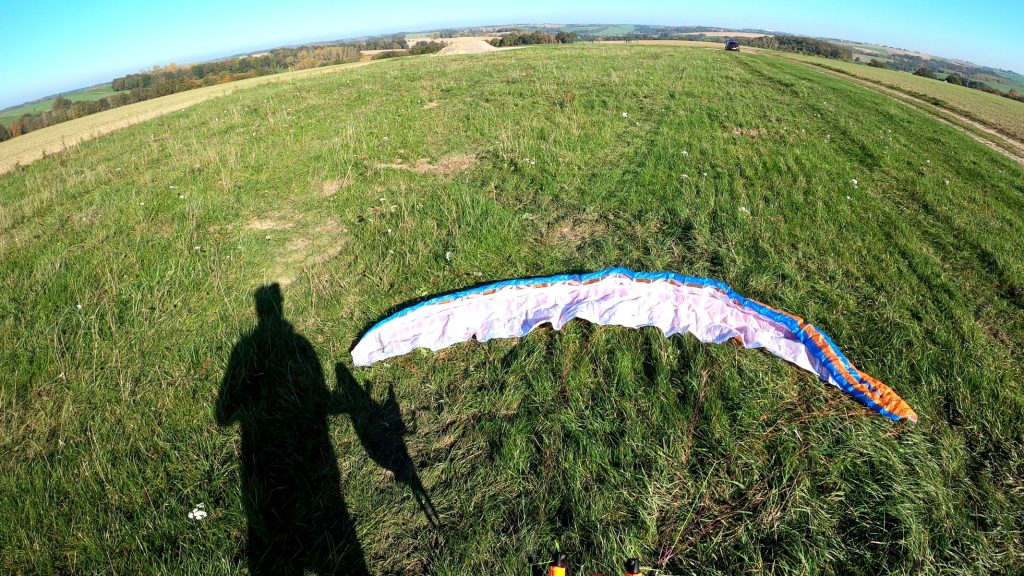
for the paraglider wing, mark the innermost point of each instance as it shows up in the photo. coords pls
(708, 309)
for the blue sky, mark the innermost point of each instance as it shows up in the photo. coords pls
(61, 45)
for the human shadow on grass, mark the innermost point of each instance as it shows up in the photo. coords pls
(381, 430)
(274, 388)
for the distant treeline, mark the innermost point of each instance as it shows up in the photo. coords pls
(528, 38)
(430, 47)
(800, 45)
(170, 79)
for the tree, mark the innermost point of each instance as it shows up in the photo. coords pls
(567, 37)
(926, 73)
(509, 40)
(61, 103)
(430, 47)
(954, 79)
(5, 134)
(876, 63)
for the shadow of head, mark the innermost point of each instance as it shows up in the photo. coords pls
(269, 303)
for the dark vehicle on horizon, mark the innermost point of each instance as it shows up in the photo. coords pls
(732, 45)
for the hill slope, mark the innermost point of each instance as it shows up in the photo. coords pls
(128, 266)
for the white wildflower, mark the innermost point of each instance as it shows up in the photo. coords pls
(625, 115)
(686, 154)
(744, 210)
(705, 174)
(174, 187)
(946, 180)
(78, 306)
(197, 248)
(198, 513)
(448, 256)
(848, 198)
(393, 207)
(854, 182)
(181, 196)
(685, 177)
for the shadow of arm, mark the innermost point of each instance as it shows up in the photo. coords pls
(229, 397)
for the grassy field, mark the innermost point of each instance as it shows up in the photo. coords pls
(85, 94)
(601, 29)
(26, 149)
(1001, 113)
(129, 267)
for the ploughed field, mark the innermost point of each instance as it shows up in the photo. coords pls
(128, 268)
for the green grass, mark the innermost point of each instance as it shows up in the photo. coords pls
(121, 301)
(81, 95)
(1003, 114)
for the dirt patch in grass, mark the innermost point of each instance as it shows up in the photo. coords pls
(272, 223)
(430, 105)
(313, 247)
(331, 187)
(446, 167)
(748, 132)
(573, 230)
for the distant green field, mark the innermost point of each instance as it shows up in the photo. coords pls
(82, 95)
(1010, 80)
(1001, 113)
(601, 30)
(128, 267)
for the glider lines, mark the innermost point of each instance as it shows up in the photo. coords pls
(708, 309)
